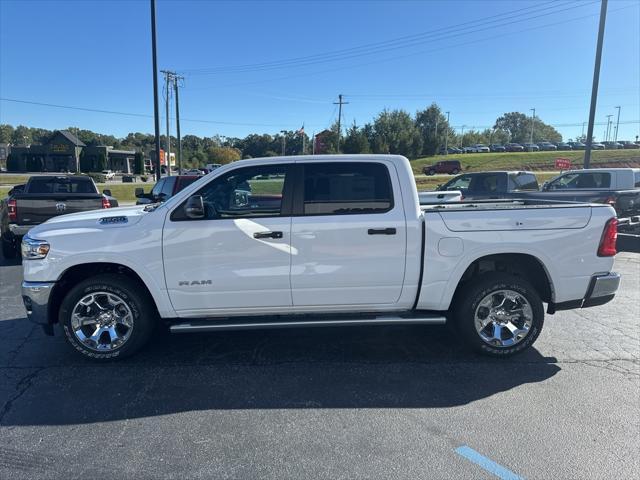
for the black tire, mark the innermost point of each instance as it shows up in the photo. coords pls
(136, 299)
(431, 172)
(455, 172)
(9, 249)
(468, 299)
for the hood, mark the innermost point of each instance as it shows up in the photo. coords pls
(107, 218)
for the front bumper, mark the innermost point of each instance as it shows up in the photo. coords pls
(35, 296)
(602, 289)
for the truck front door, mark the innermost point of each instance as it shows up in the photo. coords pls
(238, 257)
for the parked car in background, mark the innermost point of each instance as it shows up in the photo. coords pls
(355, 248)
(42, 198)
(577, 145)
(108, 174)
(514, 147)
(452, 167)
(449, 151)
(491, 185)
(597, 146)
(618, 187)
(166, 188)
(547, 146)
(563, 146)
(610, 145)
(477, 148)
(531, 147)
(626, 144)
(496, 147)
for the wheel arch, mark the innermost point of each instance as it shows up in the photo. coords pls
(77, 273)
(522, 265)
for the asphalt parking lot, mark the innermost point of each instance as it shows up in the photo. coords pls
(381, 402)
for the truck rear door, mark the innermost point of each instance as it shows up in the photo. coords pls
(348, 234)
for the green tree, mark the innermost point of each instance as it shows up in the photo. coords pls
(395, 132)
(6, 133)
(138, 163)
(223, 155)
(21, 136)
(433, 128)
(355, 141)
(518, 126)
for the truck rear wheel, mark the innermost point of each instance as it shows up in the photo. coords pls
(498, 314)
(107, 317)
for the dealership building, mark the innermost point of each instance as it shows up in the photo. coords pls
(64, 152)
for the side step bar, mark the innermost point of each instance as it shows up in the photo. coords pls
(227, 324)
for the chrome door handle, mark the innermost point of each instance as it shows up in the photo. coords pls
(381, 231)
(267, 235)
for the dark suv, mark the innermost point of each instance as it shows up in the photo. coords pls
(452, 167)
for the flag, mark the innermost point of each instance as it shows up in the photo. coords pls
(301, 131)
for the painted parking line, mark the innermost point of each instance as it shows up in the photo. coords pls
(486, 463)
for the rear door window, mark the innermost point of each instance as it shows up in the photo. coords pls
(346, 188)
(523, 181)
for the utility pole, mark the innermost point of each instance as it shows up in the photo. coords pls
(446, 137)
(176, 79)
(313, 144)
(533, 120)
(462, 137)
(166, 104)
(596, 81)
(583, 124)
(340, 103)
(284, 142)
(608, 126)
(615, 139)
(156, 113)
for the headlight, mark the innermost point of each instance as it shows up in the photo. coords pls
(33, 249)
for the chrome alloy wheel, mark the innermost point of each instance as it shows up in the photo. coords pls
(102, 321)
(503, 318)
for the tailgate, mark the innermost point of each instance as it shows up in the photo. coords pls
(36, 209)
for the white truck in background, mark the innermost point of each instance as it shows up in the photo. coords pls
(315, 241)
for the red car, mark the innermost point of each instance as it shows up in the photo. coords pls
(452, 167)
(166, 188)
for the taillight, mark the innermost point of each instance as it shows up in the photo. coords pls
(106, 203)
(607, 247)
(13, 210)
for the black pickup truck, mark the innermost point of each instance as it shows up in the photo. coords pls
(42, 198)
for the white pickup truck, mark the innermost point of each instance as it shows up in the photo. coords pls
(315, 241)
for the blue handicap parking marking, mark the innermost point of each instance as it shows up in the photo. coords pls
(486, 463)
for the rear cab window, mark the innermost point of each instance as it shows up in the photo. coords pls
(346, 188)
(523, 181)
(55, 185)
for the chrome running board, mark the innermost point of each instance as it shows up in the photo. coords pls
(251, 324)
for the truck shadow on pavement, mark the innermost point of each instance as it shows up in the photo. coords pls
(358, 367)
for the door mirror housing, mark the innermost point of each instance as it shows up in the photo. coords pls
(139, 192)
(107, 192)
(194, 208)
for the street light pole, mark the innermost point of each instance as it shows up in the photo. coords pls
(446, 137)
(284, 142)
(156, 115)
(608, 126)
(533, 120)
(596, 81)
(615, 139)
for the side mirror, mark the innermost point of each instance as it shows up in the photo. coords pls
(139, 192)
(194, 209)
(107, 192)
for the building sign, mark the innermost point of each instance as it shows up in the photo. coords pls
(59, 148)
(563, 163)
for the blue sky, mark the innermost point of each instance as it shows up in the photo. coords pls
(476, 59)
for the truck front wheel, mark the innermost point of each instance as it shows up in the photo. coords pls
(107, 317)
(498, 314)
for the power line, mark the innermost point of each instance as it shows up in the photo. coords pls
(399, 42)
(399, 57)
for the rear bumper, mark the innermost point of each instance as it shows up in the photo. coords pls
(602, 289)
(35, 296)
